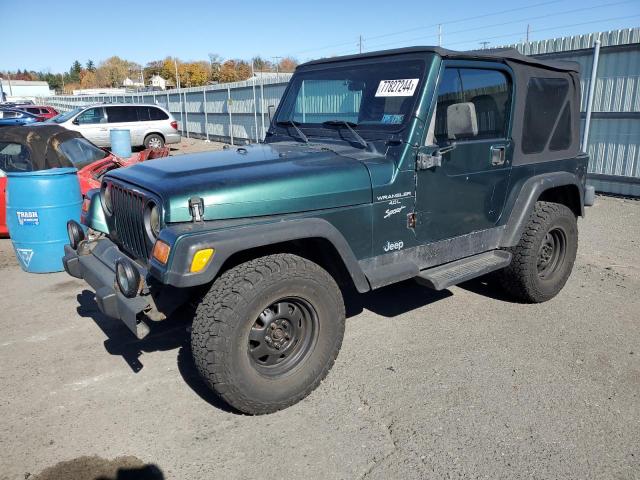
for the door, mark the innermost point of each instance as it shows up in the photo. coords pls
(125, 117)
(466, 192)
(92, 124)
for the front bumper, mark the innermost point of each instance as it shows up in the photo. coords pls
(95, 263)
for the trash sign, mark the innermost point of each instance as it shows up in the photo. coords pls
(28, 217)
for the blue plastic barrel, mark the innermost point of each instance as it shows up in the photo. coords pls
(121, 142)
(38, 207)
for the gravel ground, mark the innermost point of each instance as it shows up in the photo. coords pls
(455, 384)
(193, 145)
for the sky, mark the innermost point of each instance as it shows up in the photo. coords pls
(50, 35)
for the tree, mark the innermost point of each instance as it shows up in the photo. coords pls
(215, 62)
(261, 65)
(74, 71)
(90, 66)
(169, 70)
(199, 73)
(112, 72)
(88, 79)
(153, 68)
(287, 64)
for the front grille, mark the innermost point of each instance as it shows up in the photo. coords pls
(128, 221)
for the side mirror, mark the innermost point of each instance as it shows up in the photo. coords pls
(76, 121)
(271, 110)
(462, 120)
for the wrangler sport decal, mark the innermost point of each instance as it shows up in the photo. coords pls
(391, 196)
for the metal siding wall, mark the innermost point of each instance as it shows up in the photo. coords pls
(188, 106)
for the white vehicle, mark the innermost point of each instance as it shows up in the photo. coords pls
(150, 125)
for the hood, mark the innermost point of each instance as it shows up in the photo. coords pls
(256, 180)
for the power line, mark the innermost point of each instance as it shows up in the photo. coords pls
(475, 17)
(548, 29)
(528, 19)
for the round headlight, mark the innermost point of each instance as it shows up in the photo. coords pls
(75, 232)
(127, 277)
(106, 198)
(154, 219)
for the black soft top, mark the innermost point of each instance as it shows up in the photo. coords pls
(43, 143)
(528, 74)
(505, 55)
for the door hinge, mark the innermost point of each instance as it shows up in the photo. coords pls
(425, 161)
(411, 220)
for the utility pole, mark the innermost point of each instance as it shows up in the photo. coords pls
(484, 45)
(360, 44)
(276, 60)
(9, 79)
(528, 31)
(439, 34)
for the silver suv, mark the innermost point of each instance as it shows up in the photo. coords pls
(150, 125)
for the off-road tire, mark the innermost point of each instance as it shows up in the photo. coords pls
(153, 140)
(522, 278)
(227, 314)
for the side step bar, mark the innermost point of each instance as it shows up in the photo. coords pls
(449, 274)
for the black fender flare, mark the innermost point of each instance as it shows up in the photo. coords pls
(230, 241)
(527, 198)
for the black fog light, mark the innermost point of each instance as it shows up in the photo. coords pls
(127, 278)
(75, 232)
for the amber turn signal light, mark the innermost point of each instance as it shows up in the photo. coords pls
(161, 252)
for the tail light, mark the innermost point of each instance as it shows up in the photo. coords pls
(174, 124)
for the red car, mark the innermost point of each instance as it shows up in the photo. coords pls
(43, 146)
(43, 112)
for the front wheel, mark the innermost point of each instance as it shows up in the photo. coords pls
(268, 331)
(543, 259)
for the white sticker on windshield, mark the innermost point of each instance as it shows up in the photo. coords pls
(403, 87)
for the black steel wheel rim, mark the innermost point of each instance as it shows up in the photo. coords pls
(552, 253)
(282, 336)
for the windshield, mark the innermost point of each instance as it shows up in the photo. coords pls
(14, 157)
(378, 96)
(63, 117)
(81, 152)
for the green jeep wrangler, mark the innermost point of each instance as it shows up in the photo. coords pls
(419, 163)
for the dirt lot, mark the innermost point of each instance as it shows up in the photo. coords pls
(193, 145)
(456, 384)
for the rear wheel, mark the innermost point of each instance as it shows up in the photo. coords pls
(544, 257)
(153, 140)
(268, 331)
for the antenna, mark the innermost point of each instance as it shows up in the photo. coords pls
(439, 34)
(360, 43)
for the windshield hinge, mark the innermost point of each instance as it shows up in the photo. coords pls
(196, 207)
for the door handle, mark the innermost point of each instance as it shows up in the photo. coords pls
(497, 155)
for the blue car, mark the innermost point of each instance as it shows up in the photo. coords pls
(12, 117)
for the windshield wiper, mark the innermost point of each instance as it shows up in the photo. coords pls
(294, 124)
(349, 125)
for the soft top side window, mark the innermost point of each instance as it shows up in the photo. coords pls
(490, 93)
